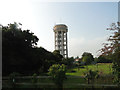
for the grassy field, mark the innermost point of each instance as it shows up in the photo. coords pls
(74, 78)
(103, 68)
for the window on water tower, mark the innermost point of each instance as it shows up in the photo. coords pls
(64, 47)
(60, 51)
(59, 42)
(64, 37)
(59, 36)
(59, 32)
(64, 43)
(56, 38)
(64, 52)
(60, 47)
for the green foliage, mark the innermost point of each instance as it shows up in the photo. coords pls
(57, 54)
(57, 72)
(87, 58)
(68, 62)
(34, 78)
(77, 57)
(14, 74)
(91, 75)
(12, 77)
(116, 72)
(112, 50)
(19, 49)
(103, 68)
(104, 59)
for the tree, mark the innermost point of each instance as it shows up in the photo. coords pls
(17, 48)
(21, 54)
(113, 49)
(57, 54)
(57, 72)
(87, 58)
(68, 62)
(90, 76)
(104, 59)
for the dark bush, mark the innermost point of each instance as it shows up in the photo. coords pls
(73, 71)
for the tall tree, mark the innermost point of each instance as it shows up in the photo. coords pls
(21, 53)
(57, 72)
(87, 58)
(113, 49)
(17, 47)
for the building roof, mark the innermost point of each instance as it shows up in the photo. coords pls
(60, 26)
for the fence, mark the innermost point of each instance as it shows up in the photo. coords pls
(46, 82)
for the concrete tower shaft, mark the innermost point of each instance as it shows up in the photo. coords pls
(60, 31)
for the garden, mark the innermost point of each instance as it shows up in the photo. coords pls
(75, 79)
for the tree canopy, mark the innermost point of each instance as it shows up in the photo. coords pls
(87, 58)
(112, 49)
(21, 54)
(57, 72)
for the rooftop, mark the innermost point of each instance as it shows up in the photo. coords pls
(60, 26)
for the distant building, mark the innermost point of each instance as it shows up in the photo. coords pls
(60, 31)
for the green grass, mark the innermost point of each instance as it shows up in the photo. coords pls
(74, 78)
(70, 82)
(103, 68)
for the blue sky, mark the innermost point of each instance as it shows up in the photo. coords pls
(86, 21)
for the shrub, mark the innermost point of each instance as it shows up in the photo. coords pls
(13, 76)
(57, 72)
(34, 78)
(90, 76)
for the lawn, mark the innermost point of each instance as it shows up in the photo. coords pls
(103, 68)
(70, 82)
(74, 78)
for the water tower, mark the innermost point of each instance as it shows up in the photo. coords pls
(60, 31)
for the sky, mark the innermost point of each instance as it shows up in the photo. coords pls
(86, 21)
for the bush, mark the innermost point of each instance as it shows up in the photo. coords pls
(90, 76)
(73, 71)
(57, 72)
(13, 76)
(34, 78)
